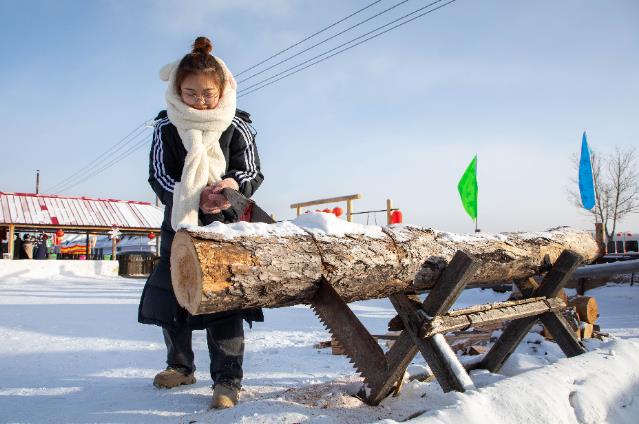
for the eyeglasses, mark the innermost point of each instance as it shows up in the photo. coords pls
(205, 98)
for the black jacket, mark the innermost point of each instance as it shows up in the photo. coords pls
(158, 304)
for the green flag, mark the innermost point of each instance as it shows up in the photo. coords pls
(467, 188)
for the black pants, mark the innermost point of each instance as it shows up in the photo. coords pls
(225, 339)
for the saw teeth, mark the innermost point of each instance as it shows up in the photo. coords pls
(360, 371)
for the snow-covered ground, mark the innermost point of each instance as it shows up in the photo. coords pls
(71, 350)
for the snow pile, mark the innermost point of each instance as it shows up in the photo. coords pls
(600, 386)
(241, 229)
(329, 224)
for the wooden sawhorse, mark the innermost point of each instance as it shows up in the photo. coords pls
(425, 324)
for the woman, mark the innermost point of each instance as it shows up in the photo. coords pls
(201, 145)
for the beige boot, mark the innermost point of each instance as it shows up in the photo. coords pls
(224, 397)
(172, 377)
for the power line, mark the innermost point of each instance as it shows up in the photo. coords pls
(82, 176)
(68, 182)
(308, 38)
(86, 167)
(244, 91)
(109, 152)
(108, 165)
(104, 167)
(323, 41)
(248, 90)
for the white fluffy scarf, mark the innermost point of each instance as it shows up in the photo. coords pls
(200, 131)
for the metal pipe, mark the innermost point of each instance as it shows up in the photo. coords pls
(625, 267)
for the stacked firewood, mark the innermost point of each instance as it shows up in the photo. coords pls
(587, 312)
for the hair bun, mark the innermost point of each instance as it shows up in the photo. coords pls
(202, 45)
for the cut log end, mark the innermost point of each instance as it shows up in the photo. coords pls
(587, 308)
(186, 273)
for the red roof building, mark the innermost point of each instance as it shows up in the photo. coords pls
(24, 212)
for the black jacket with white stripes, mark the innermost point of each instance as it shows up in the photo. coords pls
(158, 304)
(237, 143)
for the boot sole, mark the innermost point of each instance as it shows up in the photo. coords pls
(186, 382)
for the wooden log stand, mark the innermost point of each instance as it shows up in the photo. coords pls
(425, 324)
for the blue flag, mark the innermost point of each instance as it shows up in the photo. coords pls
(586, 185)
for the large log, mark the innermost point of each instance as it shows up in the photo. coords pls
(223, 268)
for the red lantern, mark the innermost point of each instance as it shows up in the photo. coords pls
(396, 217)
(59, 233)
(327, 210)
(151, 236)
(337, 211)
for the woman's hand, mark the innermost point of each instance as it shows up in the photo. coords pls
(213, 202)
(225, 183)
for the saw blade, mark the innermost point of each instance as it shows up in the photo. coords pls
(241, 204)
(360, 347)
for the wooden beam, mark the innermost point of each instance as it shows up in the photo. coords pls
(114, 248)
(488, 314)
(11, 241)
(515, 332)
(444, 293)
(559, 274)
(440, 357)
(389, 208)
(556, 324)
(450, 284)
(398, 358)
(329, 200)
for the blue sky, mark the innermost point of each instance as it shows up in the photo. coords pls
(515, 82)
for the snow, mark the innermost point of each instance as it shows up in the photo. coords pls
(59, 268)
(472, 238)
(319, 223)
(72, 351)
(327, 224)
(240, 229)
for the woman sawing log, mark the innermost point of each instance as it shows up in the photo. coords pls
(281, 265)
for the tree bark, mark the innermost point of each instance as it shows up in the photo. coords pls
(212, 272)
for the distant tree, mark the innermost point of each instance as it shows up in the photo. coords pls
(616, 181)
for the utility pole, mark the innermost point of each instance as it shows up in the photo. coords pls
(37, 181)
